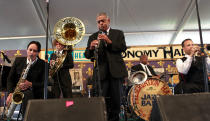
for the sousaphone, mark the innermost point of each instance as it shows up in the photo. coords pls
(67, 31)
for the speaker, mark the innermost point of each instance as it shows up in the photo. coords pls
(75, 109)
(185, 107)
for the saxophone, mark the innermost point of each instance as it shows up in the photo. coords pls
(17, 95)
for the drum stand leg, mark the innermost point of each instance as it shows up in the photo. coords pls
(3, 116)
(172, 84)
(124, 105)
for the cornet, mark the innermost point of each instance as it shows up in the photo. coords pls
(198, 51)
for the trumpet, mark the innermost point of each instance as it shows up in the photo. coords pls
(197, 50)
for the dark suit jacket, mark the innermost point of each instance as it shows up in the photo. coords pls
(35, 75)
(140, 68)
(63, 72)
(110, 58)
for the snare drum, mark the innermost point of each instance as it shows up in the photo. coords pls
(141, 96)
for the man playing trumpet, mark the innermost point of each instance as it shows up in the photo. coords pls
(190, 69)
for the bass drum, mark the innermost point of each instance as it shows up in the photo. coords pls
(141, 96)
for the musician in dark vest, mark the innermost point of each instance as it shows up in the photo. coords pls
(62, 86)
(190, 69)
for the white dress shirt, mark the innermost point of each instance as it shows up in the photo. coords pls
(183, 67)
(59, 53)
(32, 61)
(146, 69)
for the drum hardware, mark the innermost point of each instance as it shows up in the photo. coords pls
(172, 81)
(124, 105)
(90, 87)
(3, 116)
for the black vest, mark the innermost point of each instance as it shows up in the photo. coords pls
(195, 73)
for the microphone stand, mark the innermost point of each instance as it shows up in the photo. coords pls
(97, 75)
(5, 58)
(46, 55)
(4, 109)
(205, 76)
(2, 67)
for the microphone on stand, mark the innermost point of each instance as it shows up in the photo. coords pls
(99, 40)
(6, 58)
(103, 32)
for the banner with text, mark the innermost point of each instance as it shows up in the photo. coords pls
(133, 53)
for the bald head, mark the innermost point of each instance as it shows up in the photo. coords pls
(144, 59)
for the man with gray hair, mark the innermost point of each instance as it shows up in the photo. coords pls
(109, 44)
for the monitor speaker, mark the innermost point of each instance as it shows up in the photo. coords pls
(184, 107)
(75, 109)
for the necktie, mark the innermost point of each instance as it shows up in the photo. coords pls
(146, 70)
(58, 53)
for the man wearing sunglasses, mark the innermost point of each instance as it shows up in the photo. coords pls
(109, 44)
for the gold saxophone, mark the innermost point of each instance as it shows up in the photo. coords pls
(67, 31)
(17, 95)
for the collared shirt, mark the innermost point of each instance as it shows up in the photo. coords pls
(59, 52)
(146, 69)
(183, 67)
(32, 61)
(107, 31)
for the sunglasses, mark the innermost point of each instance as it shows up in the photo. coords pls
(101, 21)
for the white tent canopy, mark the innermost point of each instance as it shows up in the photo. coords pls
(145, 22)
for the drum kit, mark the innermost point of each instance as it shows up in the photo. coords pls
(142, 93)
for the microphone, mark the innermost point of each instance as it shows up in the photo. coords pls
(102, 31)
(99, 40)
(6, 58)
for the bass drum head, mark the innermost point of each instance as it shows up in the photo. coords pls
(141, 96)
